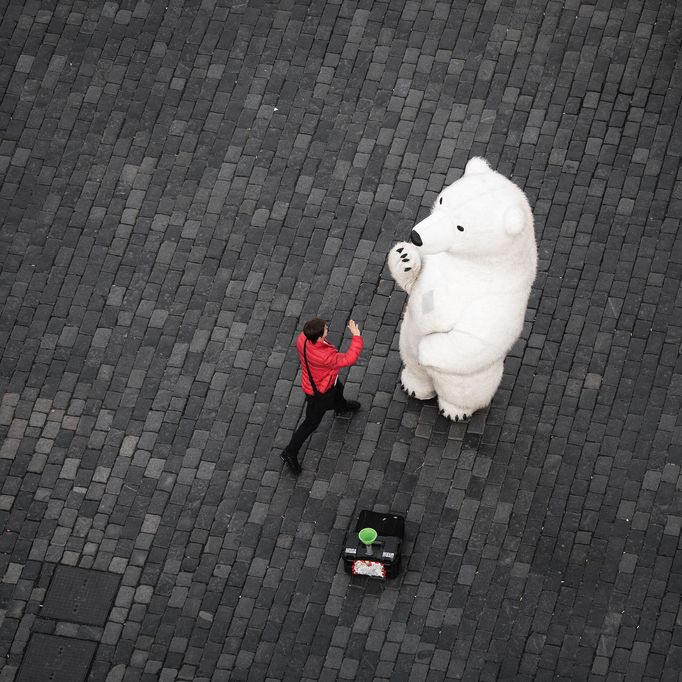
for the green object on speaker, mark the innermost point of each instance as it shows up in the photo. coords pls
(367, 536)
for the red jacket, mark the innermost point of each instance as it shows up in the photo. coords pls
(324, 361)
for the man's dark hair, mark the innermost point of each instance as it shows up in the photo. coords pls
(314, 328)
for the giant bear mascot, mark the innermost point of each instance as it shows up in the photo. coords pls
(468, 271)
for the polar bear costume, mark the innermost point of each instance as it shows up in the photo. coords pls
(468, 273)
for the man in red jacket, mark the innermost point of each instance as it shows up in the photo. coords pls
(320, 364)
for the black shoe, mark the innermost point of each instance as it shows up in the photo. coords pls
(290, 460)
(350, 406)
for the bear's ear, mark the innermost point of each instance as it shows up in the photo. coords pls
(476, 166)
(514, 220)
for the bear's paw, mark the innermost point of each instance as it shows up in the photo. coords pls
(454, 412)
(404, 262)
(416, 385)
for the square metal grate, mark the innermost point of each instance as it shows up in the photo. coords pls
(80, 595)
(49, 658)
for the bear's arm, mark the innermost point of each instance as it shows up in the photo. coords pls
(473, 345)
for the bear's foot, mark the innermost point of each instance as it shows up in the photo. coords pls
(454, 412)
(417, 386)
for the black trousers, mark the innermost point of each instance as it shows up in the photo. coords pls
(316, 406)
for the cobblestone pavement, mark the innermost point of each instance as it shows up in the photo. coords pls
(183, 184)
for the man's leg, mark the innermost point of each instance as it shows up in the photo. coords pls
(313, 416)
(341, 405)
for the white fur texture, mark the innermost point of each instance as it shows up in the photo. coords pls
(468, 285)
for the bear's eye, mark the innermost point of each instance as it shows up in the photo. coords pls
(440, 201)
(460, 228)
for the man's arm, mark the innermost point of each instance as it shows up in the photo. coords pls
(337, 360)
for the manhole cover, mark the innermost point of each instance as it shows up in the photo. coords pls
(80, 595)
(49, 658)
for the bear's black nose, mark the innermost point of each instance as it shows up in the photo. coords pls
(415, 238)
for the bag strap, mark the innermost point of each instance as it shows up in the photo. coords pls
(310, 374)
